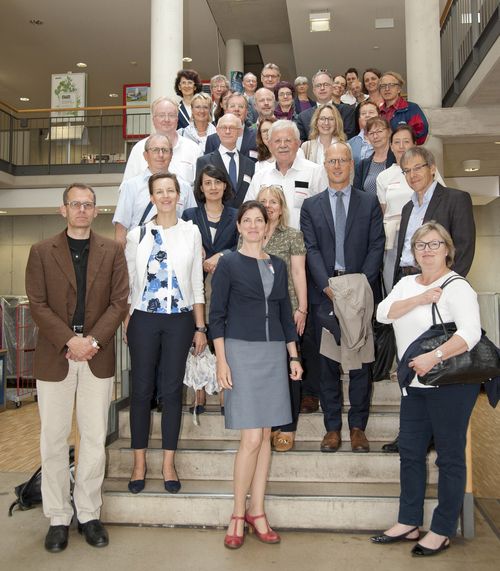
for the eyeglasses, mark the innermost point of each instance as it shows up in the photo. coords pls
(270, 76)
(322, 85)
(340, 162)
(326, 119)
(186, 82)
(388, 85)
(415, 169)
(432, 245)
(77, 205)
(158, 150)
(285, 94)
(200, 107)
(228, 128)
(163, 116)
(378, 132)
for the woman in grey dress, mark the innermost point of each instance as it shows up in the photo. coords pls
(252, 328)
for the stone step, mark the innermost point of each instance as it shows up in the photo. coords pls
(383, 425)
(214, 460)
(289, 505)
(384, 393)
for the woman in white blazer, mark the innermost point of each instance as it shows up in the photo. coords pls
(166, 317)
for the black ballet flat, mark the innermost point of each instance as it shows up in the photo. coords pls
(172, 486)
(384, 539)
(421, 551)
(136, 486)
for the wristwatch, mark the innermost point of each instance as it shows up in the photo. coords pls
(294, 359)
(95, 343)
(439, 354)
(201, 329)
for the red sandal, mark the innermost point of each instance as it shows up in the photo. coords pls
(269, 536)
(235, 541)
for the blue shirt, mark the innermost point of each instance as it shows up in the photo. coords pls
(415, 221)
(346, 197)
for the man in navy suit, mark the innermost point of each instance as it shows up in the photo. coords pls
(246, 143)
(358, 219)
(237, 166)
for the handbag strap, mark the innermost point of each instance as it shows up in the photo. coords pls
(147, 210)
(435, 309)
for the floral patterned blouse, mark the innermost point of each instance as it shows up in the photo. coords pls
(161, 293)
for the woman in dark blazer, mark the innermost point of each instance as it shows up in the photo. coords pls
(187, 85)
(217, 226)
(252, 328)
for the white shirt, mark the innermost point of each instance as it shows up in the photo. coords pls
(134, 198)
(302, 180)
(226, 159)
(183, 163)
(457, 303)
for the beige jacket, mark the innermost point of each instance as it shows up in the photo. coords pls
(353, 307)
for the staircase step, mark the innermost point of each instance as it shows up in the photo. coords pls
(289, 505)
(213, 460)
(383, 424)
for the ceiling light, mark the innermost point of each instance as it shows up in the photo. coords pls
(105, 209)
(81, 64)
(113, 95)
(3, 211)
(497, 142)
(24, 99)
(472, 165)
(36, 22)
(132, 62)
(319, 21)
(187, 59)
(382, 23)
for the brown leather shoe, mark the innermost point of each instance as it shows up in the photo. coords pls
(331, 441)
(359, 442)
(309, 404)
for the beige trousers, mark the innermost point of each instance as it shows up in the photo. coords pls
(55, 404)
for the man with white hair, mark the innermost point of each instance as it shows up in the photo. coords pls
(249, 88)
(165, 113)
(298, 177)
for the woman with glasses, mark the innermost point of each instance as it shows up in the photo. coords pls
(254, 337)
(397, 110)
(164, 259)
(440, 412)
(378, 133)
(285, 107)
(200, 126)
(360, 145)
(327, 128)
(187, 84)
(302, 101)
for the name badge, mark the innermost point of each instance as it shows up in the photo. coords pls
(253, 154)
(301, 184)
(247, 179)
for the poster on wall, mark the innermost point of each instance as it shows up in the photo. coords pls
(68, 90)
(136, 116)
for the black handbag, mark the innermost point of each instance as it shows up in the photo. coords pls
(385, 350)
(476, 366)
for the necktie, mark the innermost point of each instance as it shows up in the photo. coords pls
(340, 219)
(232, 171)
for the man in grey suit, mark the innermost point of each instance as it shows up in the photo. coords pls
(240, 169)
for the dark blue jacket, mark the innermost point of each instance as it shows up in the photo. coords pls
(363, 167)
(238, 305)
(248, 143)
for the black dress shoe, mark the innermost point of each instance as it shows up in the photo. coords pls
(421, 551)
(94, 532)
(200, 409)
(392, 447)
(384, 539)
(136, 486)
(172, 486)
(56, 539)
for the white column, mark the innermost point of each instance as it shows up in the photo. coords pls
(234, 56)
(423, 61)
(166, 46)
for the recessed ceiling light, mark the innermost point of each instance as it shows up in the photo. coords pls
(471, 165)
(36, 22)
(113, 95)
(497, 142)
(24, 99)
(132, 62)
(105, 209)
(187, 59)
(81, 64)
(376, 47)
(3, 211)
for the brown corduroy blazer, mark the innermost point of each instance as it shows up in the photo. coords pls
(51, 290)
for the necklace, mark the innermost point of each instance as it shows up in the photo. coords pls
(216, 217)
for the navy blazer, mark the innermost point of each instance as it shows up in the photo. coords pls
(226, 236)
(245, 174)
(453, 209)
(248, 143)
(347, 112)
(238, 305)
(183, 117)
(364, 240)
(363, 168)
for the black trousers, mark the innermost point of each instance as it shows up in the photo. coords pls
(151, 336)
(310, 361)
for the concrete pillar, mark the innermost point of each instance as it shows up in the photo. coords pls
(167, 25)
(423, 62)
(234, 57)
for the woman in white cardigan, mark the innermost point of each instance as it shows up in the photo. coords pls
(166, 317)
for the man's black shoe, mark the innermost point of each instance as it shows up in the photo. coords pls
(56, 539)
(392, 446)
(94, 532)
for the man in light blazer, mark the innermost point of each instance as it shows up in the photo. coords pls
(228, 158)
(431, 201)
(77, 286)
(345, 238)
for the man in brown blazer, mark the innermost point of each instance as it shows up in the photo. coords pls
(77, 285)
